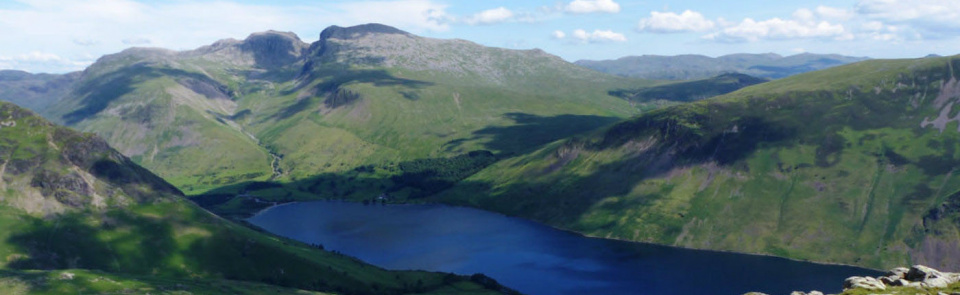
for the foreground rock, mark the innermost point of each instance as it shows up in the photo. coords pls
(863, 283)
(924, 279)
(917, 276)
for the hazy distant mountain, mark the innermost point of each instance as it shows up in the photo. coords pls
(35, 91)
(689, 67)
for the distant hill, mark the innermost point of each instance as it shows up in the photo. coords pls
(855, 164)
(369, 98)
(653, 97)
(35, 91)
(692, 67)
(70, 202)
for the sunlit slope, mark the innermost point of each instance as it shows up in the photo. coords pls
(69, 201)
(854, 164)
(360, 96)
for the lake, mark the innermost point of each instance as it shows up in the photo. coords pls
(533, 258)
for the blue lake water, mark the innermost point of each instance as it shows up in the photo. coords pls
(533, 258)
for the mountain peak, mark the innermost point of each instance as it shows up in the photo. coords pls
(273, 34)
(357, 31)
(273, 48)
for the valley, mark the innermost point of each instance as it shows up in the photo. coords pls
(846, 165)
(73, 204)
(816, 158)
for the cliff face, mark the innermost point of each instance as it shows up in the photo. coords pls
(939, 235)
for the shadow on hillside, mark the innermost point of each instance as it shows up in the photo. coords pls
(662, 142)
(530, 131)
(98, 93)
(191, 244)
(408, 180)
(690, 90)
(722, 133)
(330, 88)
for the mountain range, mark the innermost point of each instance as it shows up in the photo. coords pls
(852, 164)
(692, 67)
(271, 107)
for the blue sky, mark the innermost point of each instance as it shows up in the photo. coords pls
(62, 35)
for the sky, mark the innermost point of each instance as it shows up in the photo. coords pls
(57, 36)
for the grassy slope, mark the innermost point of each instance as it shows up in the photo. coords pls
(829, 166)
(952, 289)
(70, 201)
(96, 282)
(341, 116)
(136, 102)
(651, 98)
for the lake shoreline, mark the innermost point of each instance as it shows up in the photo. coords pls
(572, 231)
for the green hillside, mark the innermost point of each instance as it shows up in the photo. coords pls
(854, 164)
(654, 97)
(76, 281)
(69, 201)
(370, 97)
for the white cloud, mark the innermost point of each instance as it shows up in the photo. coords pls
(833, 13)
(490, 16)
(804, 15)
(38, 56)
(779, 29)
(591, 6)
(917, 19)
(872, 26)
(558, 34)
(69, 28)
(945, 12)
(34, 59)
(136, 41)
(86, 42)
(598, 36)
(824, 23)
(405, 14)
(669, 22)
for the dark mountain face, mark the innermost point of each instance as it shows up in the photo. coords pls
(337, 32)
(273, 49)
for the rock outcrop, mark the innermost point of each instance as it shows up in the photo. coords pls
(924, 279)
(863, 283)
(917, 276)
